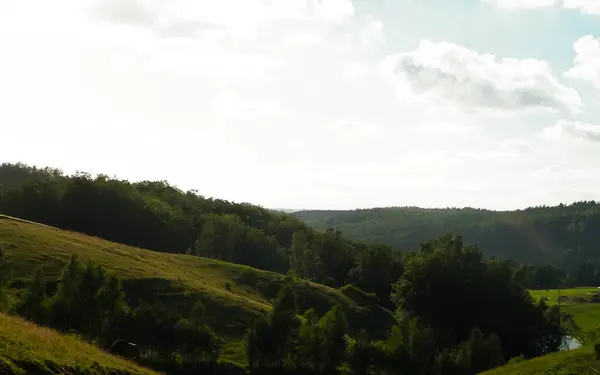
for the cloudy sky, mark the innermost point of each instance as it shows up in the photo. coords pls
(311, 103)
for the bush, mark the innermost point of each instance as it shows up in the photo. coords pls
(597, 350)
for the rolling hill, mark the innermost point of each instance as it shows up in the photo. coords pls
(563, 235)
(29, 349)
(234, 295)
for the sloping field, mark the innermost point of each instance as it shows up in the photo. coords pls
(575, 362)
(233, 294)
(586, 315)
(28, 349)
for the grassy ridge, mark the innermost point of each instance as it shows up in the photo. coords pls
(28, 349)
(576, 362)
(233, 294)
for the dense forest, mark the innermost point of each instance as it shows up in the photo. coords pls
(456, 311)
(160, 217)
(565, 236)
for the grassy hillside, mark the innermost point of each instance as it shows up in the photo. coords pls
(28, 349)
(576, 362)
(586, 314)
(234, 295)
(534, 235)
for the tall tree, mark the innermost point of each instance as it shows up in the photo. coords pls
(33, 305)
(452, 289)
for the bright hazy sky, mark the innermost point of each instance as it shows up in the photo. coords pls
(311, 103)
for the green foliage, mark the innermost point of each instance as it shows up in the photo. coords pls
(493, 320)
(376, 270)
(92, 304)
(33, 306)
(160, 217)
(452, 305)
(361, 355)
(452, 289)
(480, 353)
(563, 235)
(175, 281)
(358, 295)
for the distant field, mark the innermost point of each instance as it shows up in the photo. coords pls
(28, 349)
(586, 315)
(233, 294)
(575, 362)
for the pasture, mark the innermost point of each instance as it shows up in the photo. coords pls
(586, 314)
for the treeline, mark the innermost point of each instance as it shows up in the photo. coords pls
(549, 277)
(565, 236)
(160, 217)
(456, 313)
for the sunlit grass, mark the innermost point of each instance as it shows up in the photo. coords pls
(574, 362)
(586, 315)
(28, 349)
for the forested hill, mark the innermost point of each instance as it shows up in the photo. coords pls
(564, 235)
(157, 216)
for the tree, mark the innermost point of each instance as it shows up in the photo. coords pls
(334, 327)
(271, 341)
(453, 290)
(33, 305)
(480, 353)
(523, 275)
(374, 272)
(361, 354)
(547, 277)
(298, 253)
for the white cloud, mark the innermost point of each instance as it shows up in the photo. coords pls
(241, 18)
(354, 70)
(565, 130)
(525, 4)
(305, 38)
(372, 32)
(584, 6)
(231, 108)
(517, 146)
(451, 74)
(444, 128)
(154, 89)
(587, 60)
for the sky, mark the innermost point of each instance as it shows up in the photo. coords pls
(315, 104)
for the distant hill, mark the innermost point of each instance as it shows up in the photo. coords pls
(287, 210)
(564, 235)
